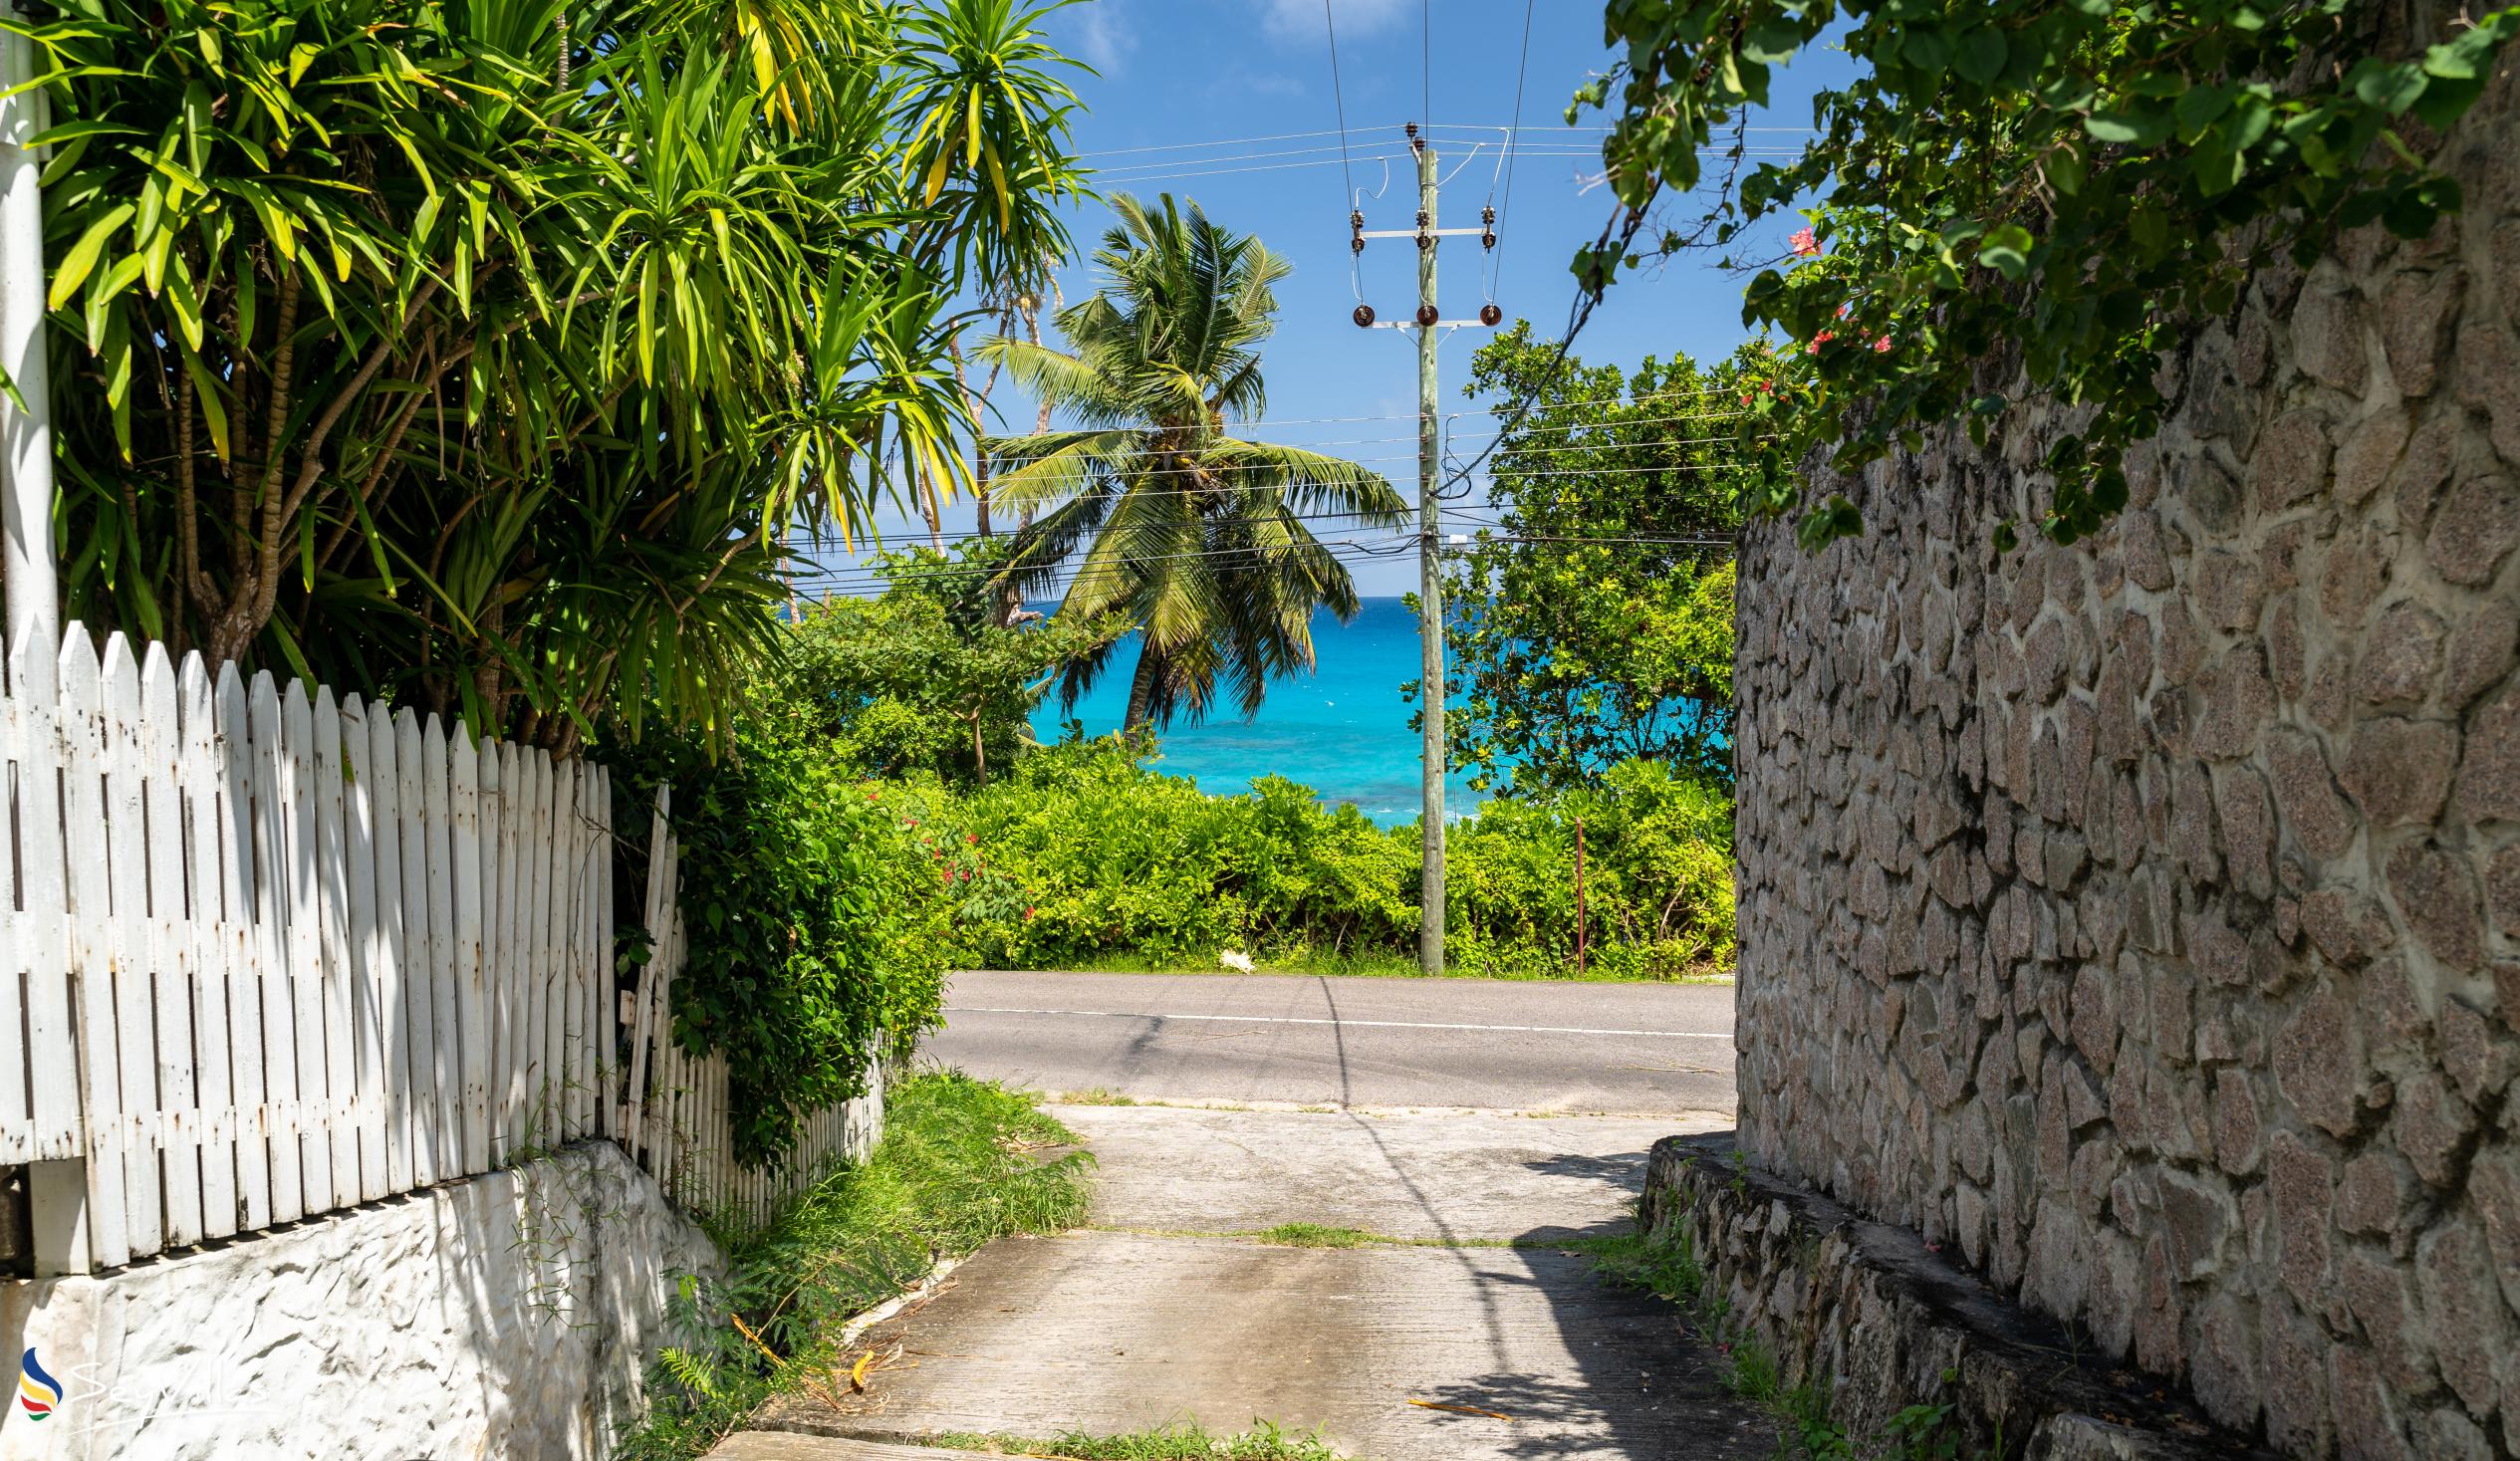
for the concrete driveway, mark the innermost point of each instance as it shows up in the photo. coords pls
(1478, 1300)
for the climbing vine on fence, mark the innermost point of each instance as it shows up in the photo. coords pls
(2078, 182)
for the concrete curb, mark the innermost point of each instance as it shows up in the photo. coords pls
(1870, 1312)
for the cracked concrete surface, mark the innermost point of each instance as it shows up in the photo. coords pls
(1164, 1311)
(1151, 1320)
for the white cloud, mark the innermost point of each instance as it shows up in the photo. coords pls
(1102, 38)
(1301, 20)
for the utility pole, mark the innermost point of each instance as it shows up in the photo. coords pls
(1429, 322)
(1429, 585)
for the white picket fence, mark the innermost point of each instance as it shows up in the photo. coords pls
(265, 955)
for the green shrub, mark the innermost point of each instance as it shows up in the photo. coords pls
(1084, 856)
(816, 941)
(1658, 862)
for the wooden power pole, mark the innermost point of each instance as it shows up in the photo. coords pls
(1429, 324)
(1430, 583)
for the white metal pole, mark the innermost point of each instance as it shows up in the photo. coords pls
(26, 424)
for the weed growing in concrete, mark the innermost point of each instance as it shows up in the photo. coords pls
(962, 1161)
(1098, 1096)
(1265, 1441)
(1314, 1235)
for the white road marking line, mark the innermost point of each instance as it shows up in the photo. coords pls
(1382, 1024)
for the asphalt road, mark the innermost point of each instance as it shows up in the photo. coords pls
(1642, 1049)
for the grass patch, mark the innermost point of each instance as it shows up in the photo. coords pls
(1098, 1096)
(962, 1161)
(1263, 1442)
(1314, 1235)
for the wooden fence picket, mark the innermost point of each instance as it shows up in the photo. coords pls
(445, 1003)
(364, 947)
(92, 939)
(378, 770)
(164, 984)
(419, 1011)
(333, 971)
(201, 773)
(464, 812)
(243, 891)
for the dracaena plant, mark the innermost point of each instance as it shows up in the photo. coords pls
(488, 354)
(2051, 191)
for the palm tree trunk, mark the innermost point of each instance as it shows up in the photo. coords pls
(1142, 688)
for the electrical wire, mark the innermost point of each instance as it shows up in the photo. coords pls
(1426, 60)
(1521, 67)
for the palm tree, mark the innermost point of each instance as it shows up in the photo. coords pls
(1198, 537)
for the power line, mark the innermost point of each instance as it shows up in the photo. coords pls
(1513, 144)
(1387, 545)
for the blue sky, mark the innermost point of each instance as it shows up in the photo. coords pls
(1201, 96)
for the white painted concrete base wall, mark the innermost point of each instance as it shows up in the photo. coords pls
(507, 1315)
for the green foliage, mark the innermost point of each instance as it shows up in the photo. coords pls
(1657, 863)
(922, 680)
(961, 1163)
(814, 935)
(1315, 1235)
(484, 355)
(1595, 623)
(1084, 853)
(2063, 188)
(1086, 857)
(1197, 538)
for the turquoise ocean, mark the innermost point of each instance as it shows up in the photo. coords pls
(1342, 730)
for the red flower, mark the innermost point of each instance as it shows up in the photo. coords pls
(1805, 244)
(1881, 347)
(971, 838)
(1844, 310)
(1028, 912)
(1817, 341)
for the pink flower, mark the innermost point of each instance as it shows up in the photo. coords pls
(1844, 310)
(1817, 341)
(1805, 244)
(1881, 347)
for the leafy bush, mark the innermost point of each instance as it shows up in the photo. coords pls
(816, 941)
(1086, 857)
(1084, 854)
(1658, 861)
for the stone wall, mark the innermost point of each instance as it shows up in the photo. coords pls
(2143, 918)
(507, 1315)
